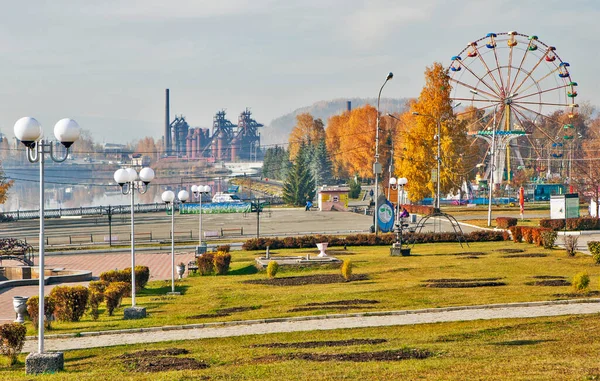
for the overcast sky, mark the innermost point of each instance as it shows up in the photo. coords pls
(107, 64)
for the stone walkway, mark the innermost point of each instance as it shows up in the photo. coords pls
(311, 323)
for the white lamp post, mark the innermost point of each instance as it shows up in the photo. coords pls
(396, 184)
(377, 165)
(169, 198)
(29, 132)
(130, 182)
(198, 191)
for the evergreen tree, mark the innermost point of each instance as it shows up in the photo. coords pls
(299, 185)
(321, 164)
(354, 188)
(275, 163)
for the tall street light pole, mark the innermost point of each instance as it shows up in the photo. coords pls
(198, 191)
(29, 131)
(492, 169)
(169, 198)
(377, 165)
(130, 182)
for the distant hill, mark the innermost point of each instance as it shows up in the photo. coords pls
(278, 131)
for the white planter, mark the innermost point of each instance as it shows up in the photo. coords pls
(180, 270)
(20, 306)
(322, 247)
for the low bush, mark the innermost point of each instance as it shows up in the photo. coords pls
(582, 223)
(97, 289)
(113, 294)
(548, 238)
(70, 302)
(224, 248)
(142, 275)
(33, 309)
(581, 281)
(571, 244)
(506, 222)
(517, 233)
(205, 264)
(552, 224)
(347, 269)
(221, 262)
(115, 276)
(272, 269)
(12, 339)
(594, 247)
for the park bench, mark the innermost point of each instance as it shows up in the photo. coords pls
(211, 233)
(234, 231)
(192, 267)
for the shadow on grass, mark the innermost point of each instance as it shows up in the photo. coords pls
(163, 290)
(247, 270)
(523, 342)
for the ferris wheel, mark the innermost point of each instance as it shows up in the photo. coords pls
(515, 84)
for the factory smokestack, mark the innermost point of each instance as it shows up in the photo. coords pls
(349, 106)
(167, 125)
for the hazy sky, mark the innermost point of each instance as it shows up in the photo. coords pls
(106, 64)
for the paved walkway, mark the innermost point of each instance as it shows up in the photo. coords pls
(159, 264)
(311, 323)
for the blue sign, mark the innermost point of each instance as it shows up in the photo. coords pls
(385, 217)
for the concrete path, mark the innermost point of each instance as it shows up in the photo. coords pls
(311, 323)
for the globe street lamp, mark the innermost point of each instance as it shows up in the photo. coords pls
(29, 132)
(169, 198)
(377, 165)
(130, 182)
(396, 184)
(198, 191)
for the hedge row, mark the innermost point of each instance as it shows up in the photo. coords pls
(506, 222)
(367, 240)
(534, 235)
(583, 223)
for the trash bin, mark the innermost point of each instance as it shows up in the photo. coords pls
(413, 218)
(201, 249)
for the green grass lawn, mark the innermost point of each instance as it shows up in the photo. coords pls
(395, 283)
(554, 348)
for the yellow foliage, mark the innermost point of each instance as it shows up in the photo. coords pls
(307, 130)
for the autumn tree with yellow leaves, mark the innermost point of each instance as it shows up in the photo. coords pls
(307, 131)
(417, 157)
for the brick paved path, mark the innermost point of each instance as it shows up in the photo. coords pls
(159, 264)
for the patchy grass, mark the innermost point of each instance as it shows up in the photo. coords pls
(552, 348)
(395, 282)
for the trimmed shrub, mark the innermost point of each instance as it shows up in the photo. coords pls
(527, 234)
(142, 275)
(97, 289)
(583, 223)
(205, 263)
(12, 338)
(517, 233)
(70, 302)
(272, 269)
(113, 294)
(33, 308)
(571, 244)
(548, 238)
(347, 269)
(224, 248)
(581, 281)
(552, 224)
(221, 262)
(115, 276)
(506, 222)
(594, 247)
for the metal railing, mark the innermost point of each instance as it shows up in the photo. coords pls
(98, 210)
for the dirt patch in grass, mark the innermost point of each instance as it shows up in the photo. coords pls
(317, 344)
(389, 355)
(526, 255)
(470, 257)
(160, 361)
(338, 305)
(549, 282)
(463, 283)
(223, 312)
(472, 253)
(344, 302)
(548, 277)
(510, 250)
(307, 279)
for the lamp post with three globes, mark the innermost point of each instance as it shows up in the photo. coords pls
(169, 198)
